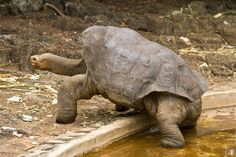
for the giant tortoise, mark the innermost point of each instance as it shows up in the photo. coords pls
(130, 71)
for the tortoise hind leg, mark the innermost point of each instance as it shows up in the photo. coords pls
(194, 110)
(76, 87)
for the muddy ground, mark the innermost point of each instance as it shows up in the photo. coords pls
(195, 30)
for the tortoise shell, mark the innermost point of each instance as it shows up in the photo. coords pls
(126, 66)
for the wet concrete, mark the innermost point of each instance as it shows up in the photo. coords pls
(214, 136)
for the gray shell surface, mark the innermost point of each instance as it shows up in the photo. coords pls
(126, 66)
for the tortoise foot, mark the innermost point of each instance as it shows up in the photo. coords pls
(172, 143)
(65, 120)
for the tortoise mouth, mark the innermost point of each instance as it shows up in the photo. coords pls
(35, 62)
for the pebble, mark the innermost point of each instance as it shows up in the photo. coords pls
(34, 77)
(56, 125)
(35, 143)
(15, 133)
(54, 101)
(186, 40)
(8, 128)
(31, 137)
(49, 116)
(15, 99)
(27, 118)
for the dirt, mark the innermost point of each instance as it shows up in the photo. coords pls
(37, 98)
(198, 37)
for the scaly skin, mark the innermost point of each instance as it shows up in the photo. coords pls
(58, 65)
(77, 87)
(172, 112)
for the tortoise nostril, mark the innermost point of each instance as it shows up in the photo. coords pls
(33, 58)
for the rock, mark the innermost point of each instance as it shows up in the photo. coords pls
(35, 143)
(5, 55)
(159, 25)
(214, 7)
(176, 12)
(93, 8)
(75, 10)
(49, 116)
(186, 40)
(203, 66)
(27, 118)
(69, 24)
(15, 133)
(172, 42)
(198, 7)
(32, 137)
(15, 99)
(23, 6)
(184, 24)
(226, 28)
(179, 25)
(54, 101)
(206, 41)
(153, 7)
(227, 60)
(99, 20)
(137, 22)
(220, 70)
(3, 10)
(11, 129)
(34, 77)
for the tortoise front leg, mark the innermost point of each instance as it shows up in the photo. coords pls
(171, 113)
(77, 87)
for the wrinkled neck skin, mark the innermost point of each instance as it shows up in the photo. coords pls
(65, 66)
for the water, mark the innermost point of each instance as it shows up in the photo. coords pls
(216, 144)
(214, 136)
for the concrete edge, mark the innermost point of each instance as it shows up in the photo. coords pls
(103, 136)
(221, 98)
(72, 145)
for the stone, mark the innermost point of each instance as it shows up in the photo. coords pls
(226, 28)
(227, 60)
(3, 10)
(23, 6)
(198, 7)
(220, 70)
(206, 41)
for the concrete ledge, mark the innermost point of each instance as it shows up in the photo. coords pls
(216, 99)
(78, 143)
(103, 136)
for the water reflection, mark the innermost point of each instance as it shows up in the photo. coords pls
(216, 144)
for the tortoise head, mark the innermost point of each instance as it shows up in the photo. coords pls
(40, 61)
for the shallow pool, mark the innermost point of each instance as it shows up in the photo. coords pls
(146, 144)
(214, 136)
